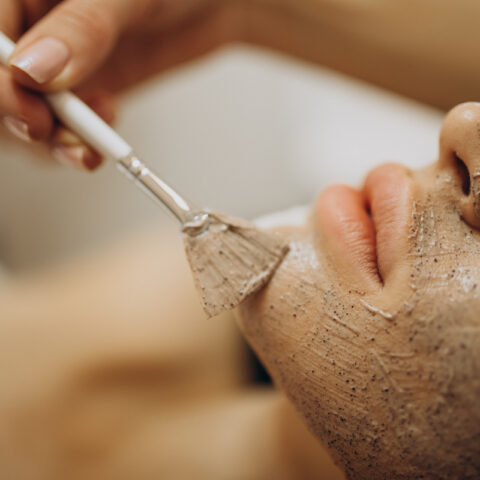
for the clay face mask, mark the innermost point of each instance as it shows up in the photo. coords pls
(382, 357)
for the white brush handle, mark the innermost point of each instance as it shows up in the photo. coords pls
(91, 128)
(78, 116)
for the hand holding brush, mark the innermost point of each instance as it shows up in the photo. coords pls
(229, 258)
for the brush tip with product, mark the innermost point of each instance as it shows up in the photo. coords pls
(230, 259)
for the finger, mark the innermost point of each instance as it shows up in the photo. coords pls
(72, 41)
(34, 10)
(11, 18)
(23, 113)
(161, 52)
(101, 101)
(69, 149)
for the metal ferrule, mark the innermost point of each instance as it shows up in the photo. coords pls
(185, 213)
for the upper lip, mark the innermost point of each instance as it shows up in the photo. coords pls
(366, 227)
(388, 189)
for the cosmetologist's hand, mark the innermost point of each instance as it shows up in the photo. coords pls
(94, 47)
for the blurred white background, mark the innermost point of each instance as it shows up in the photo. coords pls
(243, 131)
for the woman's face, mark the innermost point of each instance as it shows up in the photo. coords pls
(372, 323)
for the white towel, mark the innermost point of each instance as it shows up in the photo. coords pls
(292, 217)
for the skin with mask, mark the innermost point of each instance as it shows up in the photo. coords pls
(371, 323)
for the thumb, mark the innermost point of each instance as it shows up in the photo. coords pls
(72, 41)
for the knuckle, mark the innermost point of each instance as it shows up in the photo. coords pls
(92, 20)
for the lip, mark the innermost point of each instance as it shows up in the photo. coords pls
(365, 231)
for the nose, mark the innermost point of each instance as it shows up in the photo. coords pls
(460, 152)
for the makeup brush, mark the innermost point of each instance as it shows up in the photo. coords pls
(229, 257)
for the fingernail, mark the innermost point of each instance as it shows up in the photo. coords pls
(72, 156)
(43, 60)
(76, 156)
(18, 127)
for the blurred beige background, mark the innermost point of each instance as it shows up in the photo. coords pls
(244, 130)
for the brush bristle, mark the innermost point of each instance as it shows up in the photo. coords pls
(231, 260)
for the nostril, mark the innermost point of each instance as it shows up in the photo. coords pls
(464, 174)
